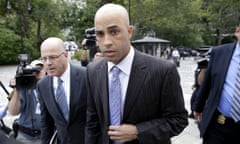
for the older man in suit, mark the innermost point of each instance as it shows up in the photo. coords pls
(215, 103)
(150, 106)
(62, 95)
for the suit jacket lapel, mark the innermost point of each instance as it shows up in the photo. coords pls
(52, 100)
(52, 94)
(225, 64)
(102, 88)
(136, 80)
(74, 92)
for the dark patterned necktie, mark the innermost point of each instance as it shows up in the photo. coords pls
(235, 110)
(115, 97)
(62, 99)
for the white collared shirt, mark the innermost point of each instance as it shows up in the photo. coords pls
(125, 66)
(65, 77)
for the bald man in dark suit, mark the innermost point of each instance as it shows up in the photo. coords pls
(69, 124)
(152, 105)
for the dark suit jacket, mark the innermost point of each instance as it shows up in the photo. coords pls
(71, 132)
(154, 101)
(211, 88)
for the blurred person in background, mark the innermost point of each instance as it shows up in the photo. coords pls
(25, 101)
(198, 78)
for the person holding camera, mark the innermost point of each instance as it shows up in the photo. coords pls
(25, 102)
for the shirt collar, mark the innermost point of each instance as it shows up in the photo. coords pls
(126, 64)
(237, 50)
(65, 75)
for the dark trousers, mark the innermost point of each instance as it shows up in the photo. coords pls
(227, 133)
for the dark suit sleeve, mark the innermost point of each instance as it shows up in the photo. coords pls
(172, 115)
(47, 122)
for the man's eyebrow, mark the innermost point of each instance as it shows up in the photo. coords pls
(108, 28)
(112, 27)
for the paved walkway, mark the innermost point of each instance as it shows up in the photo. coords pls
(186, 70)
(191, 133)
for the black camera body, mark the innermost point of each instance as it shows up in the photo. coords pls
(24, 74)
(90, 37)
(90, 42)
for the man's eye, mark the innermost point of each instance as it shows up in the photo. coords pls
(53, 57)
(99, 34)
(114, 32)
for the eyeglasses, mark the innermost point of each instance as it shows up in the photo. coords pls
(51, 58)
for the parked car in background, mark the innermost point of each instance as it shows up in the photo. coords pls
(184, 52)
(194, 53)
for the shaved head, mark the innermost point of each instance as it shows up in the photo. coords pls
(112, 10)
(113, 32)
(53, 41)
(54, 56)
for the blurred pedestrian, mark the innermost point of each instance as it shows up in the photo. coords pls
(25, 101)
(132, 97)
(176, 57)
(198, 78)
(217, 105)
(84, 58)
(62, 95)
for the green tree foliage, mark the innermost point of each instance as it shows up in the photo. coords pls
(84, 19)
(177, 21)
(32, 21)
(10, 46)
(220, 19)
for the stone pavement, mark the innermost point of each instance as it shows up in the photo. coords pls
(186, 70)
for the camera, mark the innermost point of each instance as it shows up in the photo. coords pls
(24, 74)
(89, 42)
(90, 38)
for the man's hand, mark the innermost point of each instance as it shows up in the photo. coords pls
(197, 116)
(123, 133)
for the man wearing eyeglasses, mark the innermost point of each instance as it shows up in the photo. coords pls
(62, 95)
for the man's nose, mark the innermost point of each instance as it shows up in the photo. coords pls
(107, 40)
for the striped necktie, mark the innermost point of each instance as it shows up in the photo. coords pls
(62, 99)
(235, 110)
(115, 97)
